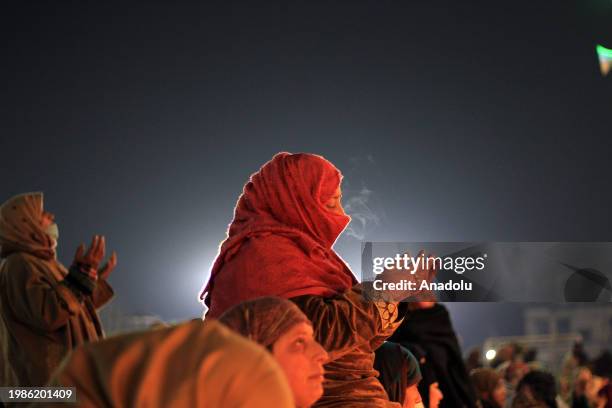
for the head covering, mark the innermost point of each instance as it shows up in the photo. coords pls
(21, 229)
(264, 320)
(194, 364)
(602, 365)
(398, 369)
(485, 381)
(606, 392)
(542, 389)
(286, 198)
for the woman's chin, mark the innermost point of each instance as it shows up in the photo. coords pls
(311, 399)
(317, 391)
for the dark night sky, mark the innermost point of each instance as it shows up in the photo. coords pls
(465, 122)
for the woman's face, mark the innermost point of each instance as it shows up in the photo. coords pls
(333, 204)
(302, 359)
(499, 394)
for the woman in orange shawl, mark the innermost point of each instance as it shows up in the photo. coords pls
(194, 364)
(280, 244)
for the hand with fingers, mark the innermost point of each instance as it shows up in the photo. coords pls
(425, 273)
(108, 267)
(84, 270)
(414, 274)
(94, 254)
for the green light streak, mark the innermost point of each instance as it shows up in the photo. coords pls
(604, 52)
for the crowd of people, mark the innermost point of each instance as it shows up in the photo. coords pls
(515, 378)
(286, 324)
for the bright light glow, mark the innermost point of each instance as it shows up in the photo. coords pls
(605, 59)
(490, 354)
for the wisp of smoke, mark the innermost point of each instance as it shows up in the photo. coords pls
(363, 218)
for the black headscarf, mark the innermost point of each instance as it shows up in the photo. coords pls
(398, 369)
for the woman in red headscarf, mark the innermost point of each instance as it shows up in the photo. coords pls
(280, 244)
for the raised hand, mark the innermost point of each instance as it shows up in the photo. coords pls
(108, 266)
(406, 283)
(94, 254)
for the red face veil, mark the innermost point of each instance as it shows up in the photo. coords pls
(286, 197)
(291, 190)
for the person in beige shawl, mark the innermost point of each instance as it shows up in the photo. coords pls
(45, 309)
(194, 364)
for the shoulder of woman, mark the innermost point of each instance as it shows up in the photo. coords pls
(278, 253)
(20, 260)
(17, 269)
(22, 265)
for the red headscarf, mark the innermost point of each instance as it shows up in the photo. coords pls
(280, 240)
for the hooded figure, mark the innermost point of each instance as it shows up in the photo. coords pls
(280, 326)
(427, 331)
(194, 364)
(490, 387)
(280, 240)
(45, 311)
(280, 244)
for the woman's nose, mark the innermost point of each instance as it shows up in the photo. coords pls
(320, 354)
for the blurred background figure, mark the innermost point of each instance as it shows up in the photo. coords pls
(505, 355)
(537, 389)
(45, 309)
(574, 376)
(530, 357)
(512, 372)
(473, 359)
(490, 387)
(578, 398)
(599, 388)
(509, 363)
